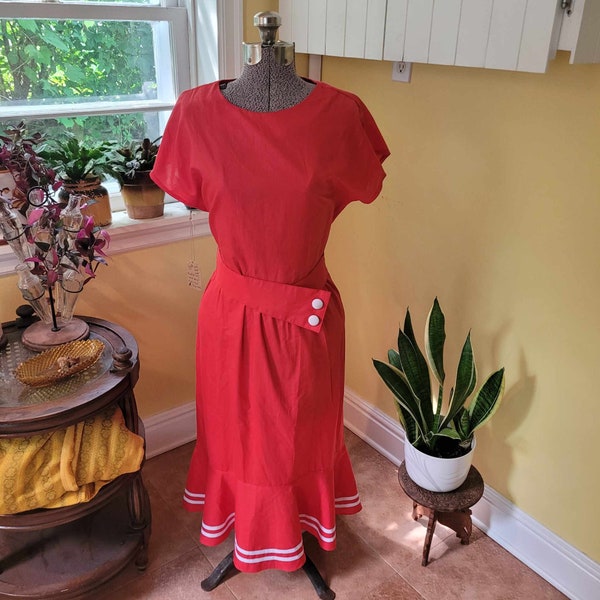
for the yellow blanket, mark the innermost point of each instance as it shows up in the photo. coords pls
(67, 466)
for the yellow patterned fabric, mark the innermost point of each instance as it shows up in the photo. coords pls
(68, 466)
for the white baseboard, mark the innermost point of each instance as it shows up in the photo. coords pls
(170, 429)
(562, 565)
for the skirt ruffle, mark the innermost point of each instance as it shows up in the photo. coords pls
(269, 520)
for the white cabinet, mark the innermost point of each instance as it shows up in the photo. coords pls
(518, 35)
(580, 32)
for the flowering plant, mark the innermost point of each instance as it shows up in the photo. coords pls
(58, 248)
(18, 155)
(62, 239)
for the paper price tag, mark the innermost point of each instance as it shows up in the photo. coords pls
(193, 275)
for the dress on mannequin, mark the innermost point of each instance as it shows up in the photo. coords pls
(274, 159)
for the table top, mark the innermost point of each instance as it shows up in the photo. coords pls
(28, 410)
(463, 497)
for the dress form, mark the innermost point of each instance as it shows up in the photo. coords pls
(268, 82)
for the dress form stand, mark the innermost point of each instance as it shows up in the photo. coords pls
(268, 83)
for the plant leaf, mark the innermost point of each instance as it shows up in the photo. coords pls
(434, 341)
(487, 400)
(466, 378)
(408, 328)
(449, 432)
(397, 384)
(394, 358)
(462, 424)
(408, 424)
(416, 370)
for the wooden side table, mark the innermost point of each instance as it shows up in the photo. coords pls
(449, 508)
(68, 552)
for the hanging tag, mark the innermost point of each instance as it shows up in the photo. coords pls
(193, 275)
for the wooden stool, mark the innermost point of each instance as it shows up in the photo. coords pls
(449, 508)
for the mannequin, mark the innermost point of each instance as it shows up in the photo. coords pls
(268, 82)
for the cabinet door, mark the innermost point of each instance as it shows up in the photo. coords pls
(580, 33)
(496, 34)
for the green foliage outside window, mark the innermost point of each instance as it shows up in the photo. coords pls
(50, 61)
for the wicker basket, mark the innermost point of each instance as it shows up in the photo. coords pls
(59, 362)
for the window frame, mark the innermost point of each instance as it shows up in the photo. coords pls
(210, 49)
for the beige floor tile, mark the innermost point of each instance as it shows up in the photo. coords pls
(354, 570)
(481, 569)
(395, 588)
(177, 580)
(385, 522)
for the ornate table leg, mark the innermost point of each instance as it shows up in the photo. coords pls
(429, 537)
(459, 521)
(140, 517)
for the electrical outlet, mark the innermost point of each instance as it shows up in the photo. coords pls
(401, 71)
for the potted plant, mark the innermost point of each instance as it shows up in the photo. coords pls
(438, 446)
(21, 167)
(81, 167)
(131, 166)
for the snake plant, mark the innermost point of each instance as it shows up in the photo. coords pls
(407, 375)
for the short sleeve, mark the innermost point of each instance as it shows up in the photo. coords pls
(360, 161)
(174, 171)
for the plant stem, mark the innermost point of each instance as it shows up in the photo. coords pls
(55, 326)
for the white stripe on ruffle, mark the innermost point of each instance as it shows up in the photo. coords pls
(192, 498)
(320, 529)
(280, 554)
(347, 501)
(215, 531)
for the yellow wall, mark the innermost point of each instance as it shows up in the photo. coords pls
(492, 203)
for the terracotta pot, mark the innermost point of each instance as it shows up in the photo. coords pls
(143, 198)
(99, 208)
(437, 474)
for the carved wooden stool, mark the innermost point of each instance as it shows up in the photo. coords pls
(449, 508)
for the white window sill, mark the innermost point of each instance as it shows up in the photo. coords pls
(128, 234)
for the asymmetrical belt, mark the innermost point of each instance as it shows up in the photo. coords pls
(301, 306)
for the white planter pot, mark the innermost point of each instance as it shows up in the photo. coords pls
(437, 474)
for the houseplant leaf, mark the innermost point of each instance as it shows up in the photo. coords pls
(487, 400)
(415, 369)
(397, 384)
(434, 341)
(466, 378)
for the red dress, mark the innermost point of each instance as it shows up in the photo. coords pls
(270, 460)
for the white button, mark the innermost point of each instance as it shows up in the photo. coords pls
(313, 320)
(317, 304)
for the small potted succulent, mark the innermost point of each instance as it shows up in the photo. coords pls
(81, 167)
(438, 446)
(131, 166)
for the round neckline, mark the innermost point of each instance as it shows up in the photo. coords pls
(307, 100)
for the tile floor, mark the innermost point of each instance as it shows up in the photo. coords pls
(378, 555)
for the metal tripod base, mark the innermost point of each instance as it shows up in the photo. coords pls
(226, 568)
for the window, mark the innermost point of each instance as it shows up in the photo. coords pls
(99, 70)
(111, 69)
